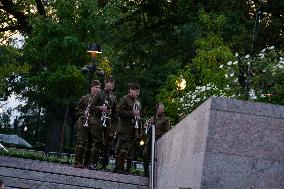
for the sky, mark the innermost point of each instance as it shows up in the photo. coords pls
(13, 102)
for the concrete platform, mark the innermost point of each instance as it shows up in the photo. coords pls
(31, 174)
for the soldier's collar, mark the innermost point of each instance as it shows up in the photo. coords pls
(107, 92)
(160, 115)
(131, 97)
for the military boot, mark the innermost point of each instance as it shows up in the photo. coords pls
(146, 168)
(79, 156)
(129, 164)
(87, 157)
(94, 159)
(105, 161)
(119, 162)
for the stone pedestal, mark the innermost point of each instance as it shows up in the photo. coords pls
(224, 144)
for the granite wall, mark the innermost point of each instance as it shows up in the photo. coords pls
(224, 144)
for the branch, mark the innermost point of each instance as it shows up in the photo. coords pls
(10, 7)
(10, 28)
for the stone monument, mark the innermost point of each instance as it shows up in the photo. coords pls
(224, 144)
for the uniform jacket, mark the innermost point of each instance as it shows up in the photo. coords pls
(81, 109)
(126, 117)
(162, 124)
(110, 101)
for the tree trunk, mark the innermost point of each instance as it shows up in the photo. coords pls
(53, 136)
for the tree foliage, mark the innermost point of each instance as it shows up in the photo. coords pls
(153, 42)
(11, 66)
(203, 69)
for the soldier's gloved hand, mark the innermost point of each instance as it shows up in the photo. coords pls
(103, 108)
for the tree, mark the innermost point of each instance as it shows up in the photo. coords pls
(55, 50)
(11, 66)
(149, 40)
(5, 121)
(145, 41)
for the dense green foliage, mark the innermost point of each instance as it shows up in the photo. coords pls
(11, 66)
(153, 42)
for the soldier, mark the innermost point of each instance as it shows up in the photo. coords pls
(83, 112)
(128, 110)
(109, 133)
(162, 125)
(103, 123)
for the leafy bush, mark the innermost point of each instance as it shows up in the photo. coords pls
(259, 78)
(34, 155)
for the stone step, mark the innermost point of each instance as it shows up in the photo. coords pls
(32, 174)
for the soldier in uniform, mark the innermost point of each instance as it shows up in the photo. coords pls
(109, 132)
(162, 125)
(83, 113)
(104, 118)
(128, 110)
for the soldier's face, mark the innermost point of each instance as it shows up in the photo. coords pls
(109, 86)
(134, 93)
(160, 110)
(95, 89)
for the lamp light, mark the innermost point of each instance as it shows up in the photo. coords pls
(181, 84)
(94, 48)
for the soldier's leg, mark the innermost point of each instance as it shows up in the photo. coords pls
(80, 146)
(97, 139)
(106, 149)
(146, 158)
(94, 158)
(88, 151)
(79, 153)
(129, 159)
(123, 146)
(106, 153)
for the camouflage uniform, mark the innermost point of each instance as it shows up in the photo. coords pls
(100, 134)
(162, 125)
(126, 132)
